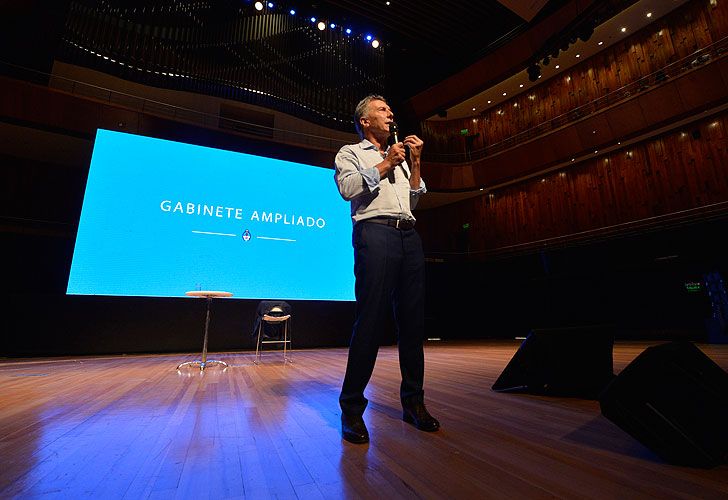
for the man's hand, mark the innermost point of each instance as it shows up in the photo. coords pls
(396, 154)
(415, 145)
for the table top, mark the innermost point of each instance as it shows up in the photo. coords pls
(208, 293)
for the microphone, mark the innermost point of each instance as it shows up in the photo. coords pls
(394, 129)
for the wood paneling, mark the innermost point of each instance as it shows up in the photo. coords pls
(693, 26)
(679, 171)
(651, 109)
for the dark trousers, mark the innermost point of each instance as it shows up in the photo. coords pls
(389, 266)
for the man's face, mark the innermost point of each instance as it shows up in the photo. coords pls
(378, 118)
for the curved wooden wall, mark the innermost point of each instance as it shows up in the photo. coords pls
(693, 26)
(681, 175)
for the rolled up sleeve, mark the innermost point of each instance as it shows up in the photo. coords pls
(351, 179)
(416, 193)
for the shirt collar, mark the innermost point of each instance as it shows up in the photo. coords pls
(365, 144)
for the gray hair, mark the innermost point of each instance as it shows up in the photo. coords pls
(361, 110)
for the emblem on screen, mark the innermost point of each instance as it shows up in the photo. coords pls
(246, 235)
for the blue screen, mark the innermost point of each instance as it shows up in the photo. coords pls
(161, 218)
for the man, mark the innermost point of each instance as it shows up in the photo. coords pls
(388, 263)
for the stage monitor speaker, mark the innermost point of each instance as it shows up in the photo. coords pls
(574, 361)
(674, 400)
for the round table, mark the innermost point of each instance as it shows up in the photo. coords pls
(209, 295)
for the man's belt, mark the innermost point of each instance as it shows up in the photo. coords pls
(403, 224)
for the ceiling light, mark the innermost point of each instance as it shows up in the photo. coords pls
(321, 25)
(649, 14)
(505, 94)
(557, 66)
(521, 85)
(600, 43)
(258, 5)
(473, 109)
(489, 101)
(375, 43)
(578, 56)
(624, 29)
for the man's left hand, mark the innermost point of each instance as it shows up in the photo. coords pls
(415, 146)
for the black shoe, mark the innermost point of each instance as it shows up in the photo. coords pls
(417, 415)
(353, 429)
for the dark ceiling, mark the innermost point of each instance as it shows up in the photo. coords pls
(429, 40)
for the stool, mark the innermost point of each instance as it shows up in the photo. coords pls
(267, 318)
(209, 295)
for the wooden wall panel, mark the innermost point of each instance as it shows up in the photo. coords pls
(700, 87)
(683, 170)
(658, 106)
(691, 27)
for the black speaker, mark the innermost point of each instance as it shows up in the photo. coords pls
(573, 361)
(674, 400)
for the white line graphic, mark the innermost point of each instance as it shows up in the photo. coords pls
(215, 234)
(276, 239)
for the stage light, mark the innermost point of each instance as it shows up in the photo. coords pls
(332, 26)
(347, 31)
(258, 5)
(585, 33)
(292, 12)
(368, 38)
(375, 43)
(534, 71)
(313, 19)
(321, 25)
(270, 5)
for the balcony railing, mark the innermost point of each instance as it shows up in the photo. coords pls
(703, 56)
(171, 111)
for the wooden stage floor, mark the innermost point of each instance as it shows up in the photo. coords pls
(133, 427)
